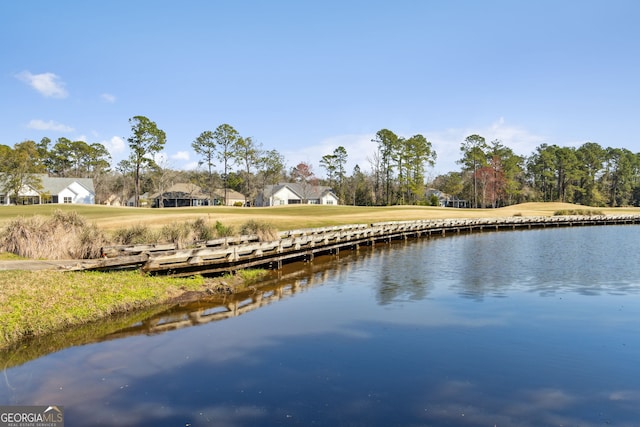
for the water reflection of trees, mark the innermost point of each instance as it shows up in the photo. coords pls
(584, 260)
(290, 280)
(473, 266)
(486, 264)
(404, 274)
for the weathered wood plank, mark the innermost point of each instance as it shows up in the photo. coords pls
(231, 253)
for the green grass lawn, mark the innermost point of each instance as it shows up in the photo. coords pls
(283, 217)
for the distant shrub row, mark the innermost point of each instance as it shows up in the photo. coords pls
(584, 212)
(67, 235)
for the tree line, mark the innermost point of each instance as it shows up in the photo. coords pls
(490, 174)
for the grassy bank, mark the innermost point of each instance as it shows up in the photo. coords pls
(33, 303)
(37, 303)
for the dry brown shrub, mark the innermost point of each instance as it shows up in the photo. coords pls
(178, 233)
(266, 232)
(202, 230)
(60, 236)
(137, 234)
(181, 233)
(89, 242)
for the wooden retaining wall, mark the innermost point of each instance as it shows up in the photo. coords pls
(229, 254)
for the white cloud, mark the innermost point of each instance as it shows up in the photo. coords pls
(48, 84)
(50, 125)
(115, 145)
(180, 155)
(520, 140)
(108, 98)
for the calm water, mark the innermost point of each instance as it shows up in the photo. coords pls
(526, 328)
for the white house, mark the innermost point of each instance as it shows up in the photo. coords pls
(56, 190)
(295, 194)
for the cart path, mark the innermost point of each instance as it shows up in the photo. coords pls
(36, 265)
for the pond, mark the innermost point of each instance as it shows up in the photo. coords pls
(526, 328)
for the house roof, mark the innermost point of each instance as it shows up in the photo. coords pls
(192, 191)
(231, 194)
(184, 187)
(182, 190)
(308, 192)
(55, 185)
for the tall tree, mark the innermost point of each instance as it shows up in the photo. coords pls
(145, 141)
(567, 172)
(328, 163)
(271, 166)
(335, 164)
(387, 146)
(401, 157)
(97, 167)
(506, 174)
(541, 171)
(226, 139)
(248, 155)
(360, 188)
(591, 156)
(78, 159)
(341, 156)
(205, 146)
(125, 169)
(618, 179)
(43, 153)
(303, 174)
(98, 160)
(420, 154)
(474, 157)
(376, 176)
(61, 157)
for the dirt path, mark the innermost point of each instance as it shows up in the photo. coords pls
(34, 265)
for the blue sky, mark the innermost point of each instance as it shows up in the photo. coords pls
(304, 77)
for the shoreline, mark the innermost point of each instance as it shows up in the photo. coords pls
(36, 302)
(39, 303)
